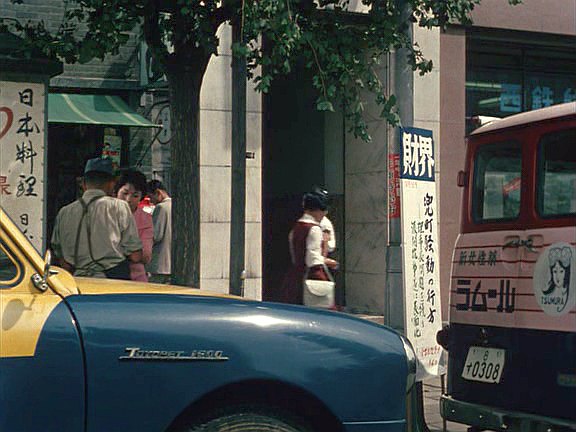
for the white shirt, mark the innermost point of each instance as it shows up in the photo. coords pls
(326, 225)
(161, 262)
(113, 234)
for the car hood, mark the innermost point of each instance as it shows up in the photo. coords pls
(96, 286)
(127, 338)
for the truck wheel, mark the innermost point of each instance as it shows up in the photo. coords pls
(249, 419)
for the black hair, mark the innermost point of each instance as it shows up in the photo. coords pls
(154, 185)
(314, 201)
(133, 177)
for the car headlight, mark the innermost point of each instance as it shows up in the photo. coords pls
(411, 363)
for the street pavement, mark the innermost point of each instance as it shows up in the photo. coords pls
(432, 390)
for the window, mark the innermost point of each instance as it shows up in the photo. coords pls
(497, 182)
(8, 270)
(505, 78)
(557, 174)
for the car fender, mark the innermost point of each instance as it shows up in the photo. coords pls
(150, 356)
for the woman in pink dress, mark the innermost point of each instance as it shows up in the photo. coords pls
(131, 187)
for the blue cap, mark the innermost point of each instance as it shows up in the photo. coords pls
(99, 165)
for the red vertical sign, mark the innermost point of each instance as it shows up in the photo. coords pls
(393, 186)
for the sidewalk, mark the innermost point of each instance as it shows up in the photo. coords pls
(432, 390)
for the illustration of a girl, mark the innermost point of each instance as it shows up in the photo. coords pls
(559, 260)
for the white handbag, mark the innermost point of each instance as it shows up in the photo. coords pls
(319, 293)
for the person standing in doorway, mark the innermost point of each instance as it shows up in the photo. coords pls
(131, 187)
(329, 246)
(328, 235)
(96, 235)
(160, 266)
(305, 241)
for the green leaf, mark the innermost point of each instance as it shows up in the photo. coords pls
(343, 55)
(324, 105)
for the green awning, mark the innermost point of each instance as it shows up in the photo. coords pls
(93, 109)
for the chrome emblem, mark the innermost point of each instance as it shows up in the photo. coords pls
(157, 355)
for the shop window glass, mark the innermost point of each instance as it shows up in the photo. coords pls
(542, 90)
(495, 93)
(504, 78)
(497, 182)
(8, 269)
(557, 174)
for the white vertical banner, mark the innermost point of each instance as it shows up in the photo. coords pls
(22, 156)
(420, 249)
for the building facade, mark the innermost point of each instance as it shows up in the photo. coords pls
(512, 59)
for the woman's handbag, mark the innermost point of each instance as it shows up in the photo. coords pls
(319, 293)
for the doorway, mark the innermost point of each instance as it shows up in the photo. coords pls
(302, 148)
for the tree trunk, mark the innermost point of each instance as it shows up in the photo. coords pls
(185, 82)
(238, 195)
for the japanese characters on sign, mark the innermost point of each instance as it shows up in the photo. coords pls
(394, 186)
(511, 98)
(471, 296)
(543, 96)
(539, 94)
(417, 154)
(22, 153)
(423, 318)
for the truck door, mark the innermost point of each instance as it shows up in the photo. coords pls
(41, 365)
(486, 267)
(486, 257)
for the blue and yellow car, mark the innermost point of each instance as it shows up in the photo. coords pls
(80, 354)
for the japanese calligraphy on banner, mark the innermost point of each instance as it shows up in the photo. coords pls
(393, 186)
(419, 215)
(22, 136)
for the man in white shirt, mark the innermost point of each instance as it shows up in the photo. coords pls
(328, 235)
(160, 266)
(96, 235)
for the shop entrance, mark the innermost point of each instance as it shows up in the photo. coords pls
(69, 147)
(81, 127)
(302, 148)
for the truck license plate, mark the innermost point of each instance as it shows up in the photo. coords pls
(484, 364)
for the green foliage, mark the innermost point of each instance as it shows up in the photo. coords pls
(342, 49)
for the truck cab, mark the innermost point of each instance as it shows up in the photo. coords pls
(511, 338)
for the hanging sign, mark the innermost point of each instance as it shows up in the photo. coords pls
(419, 213)
(112, 148)
(22, 151)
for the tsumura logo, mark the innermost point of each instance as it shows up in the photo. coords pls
(138, 354)
(555, 279)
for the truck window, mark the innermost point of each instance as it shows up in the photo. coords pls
(497, 181)
(557, 174)
(8, 270)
